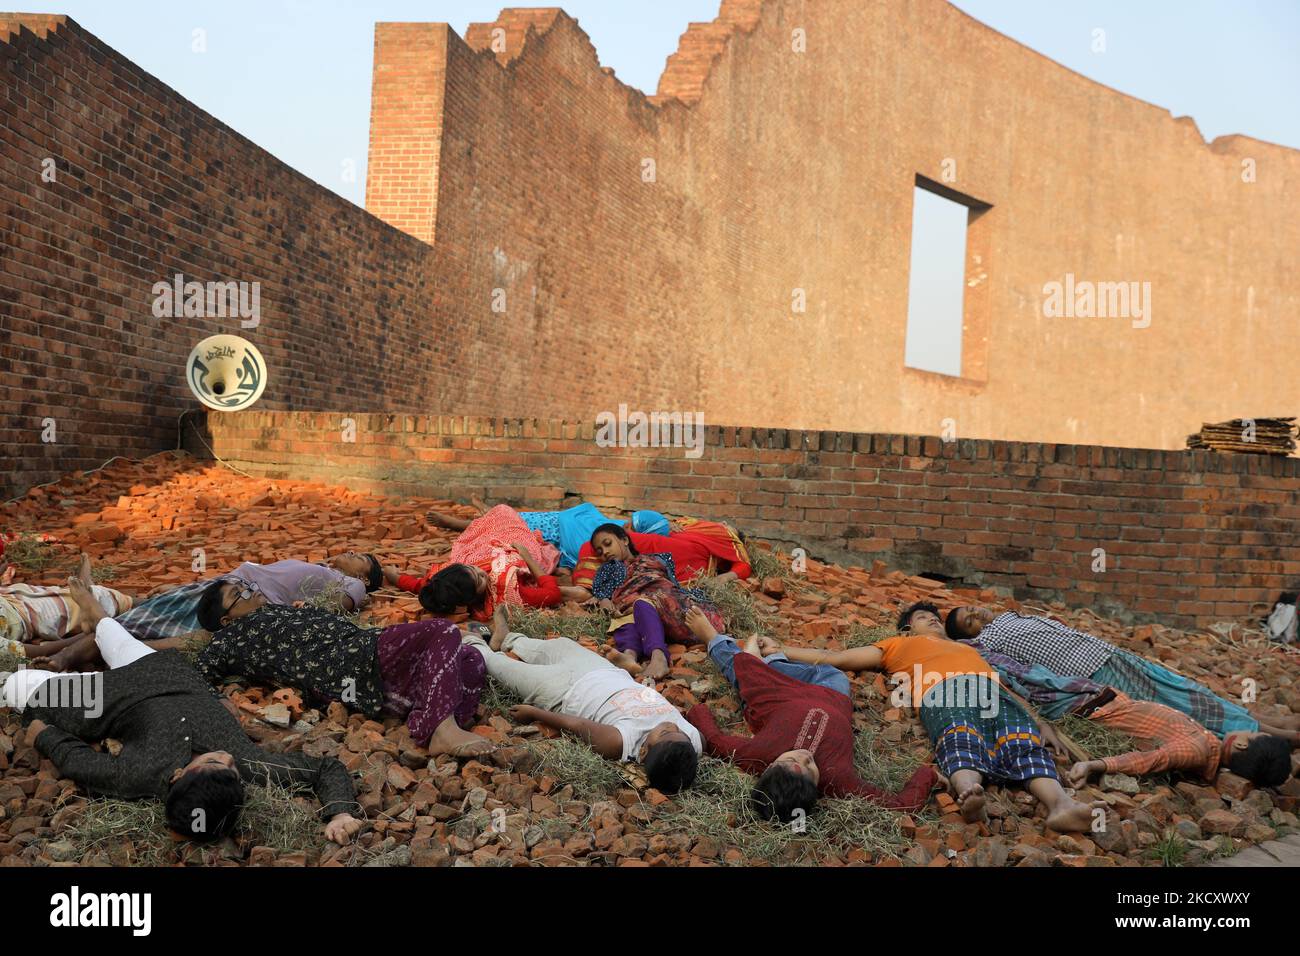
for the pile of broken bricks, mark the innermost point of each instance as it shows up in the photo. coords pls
(148, 523)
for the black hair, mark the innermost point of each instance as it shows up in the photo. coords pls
(1266, 761)
(212, 606)
(950, 626)
(375, 576)
(451, 588)
(781, 791)
(905, 618)
(204, 805)
(618, 531)
(670, 765)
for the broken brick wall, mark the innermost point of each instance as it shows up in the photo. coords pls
(1188, 537)
(778, 170)
(523, 172)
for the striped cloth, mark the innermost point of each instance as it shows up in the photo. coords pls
(1142, 679)
(31, 612)
(171, 614)
(1003, 745)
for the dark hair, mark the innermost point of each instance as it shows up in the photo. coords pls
(618, 531)
(670, 766)
(905, 618)
(212, 606)
(950, 626)
(375, 576)
(780, 791)
(219, 794)
(451, 588)
(1266, 761)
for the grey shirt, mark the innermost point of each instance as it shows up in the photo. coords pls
(164, 713)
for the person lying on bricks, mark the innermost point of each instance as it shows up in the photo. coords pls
(1166, 738)
(181, 742)
(801, 718)
(415, 671)
(31, 614)
(646, 603)
(1071, 653)
(978, 729)
(497, 559)
(567, 530)
(171, 613)
(570, 688)
(698, 548)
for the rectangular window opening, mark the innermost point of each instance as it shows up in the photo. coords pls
(946, 328)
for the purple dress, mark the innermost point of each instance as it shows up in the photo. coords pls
(429, 675)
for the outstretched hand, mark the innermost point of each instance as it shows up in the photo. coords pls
(342, 828)
(524, 713)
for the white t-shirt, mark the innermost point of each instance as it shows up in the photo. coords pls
(609, 695)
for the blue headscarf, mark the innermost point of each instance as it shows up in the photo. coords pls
(649, 522)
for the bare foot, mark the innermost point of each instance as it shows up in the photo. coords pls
(450, 740)
(624, 659)
(500, 628)
(438, 519)
(657, 667)
(82, 654)
(80, 592)
(83, 571)
(1071, 816)
(971, 804)
(700, 625)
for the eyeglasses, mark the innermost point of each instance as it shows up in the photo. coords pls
(245, 592)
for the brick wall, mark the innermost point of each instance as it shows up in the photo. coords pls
(778, 170)
(1189, 537)
(147, 185)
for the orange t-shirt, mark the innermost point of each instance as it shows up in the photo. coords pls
(937, 658)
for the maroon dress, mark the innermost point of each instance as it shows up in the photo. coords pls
(429, 675)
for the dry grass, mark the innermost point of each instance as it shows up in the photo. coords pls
(539, 623)
(737, 606)
(497, 698)
(271, 817)
(718, 807)
(329, 598)
(573, 762)
(860, 635)
(30, 553)
(1096, 738)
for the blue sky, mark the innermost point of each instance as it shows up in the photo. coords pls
(294, 75)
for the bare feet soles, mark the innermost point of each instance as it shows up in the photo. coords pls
(700, 625)
(438, 519)
(1071, 816)
(79, 655)
(79, 591)
(450, 740)
(624, 659)
(83, 571)
(971, 804)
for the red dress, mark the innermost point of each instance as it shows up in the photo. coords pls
(487, 544)
(786, 714)
(703, 548)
